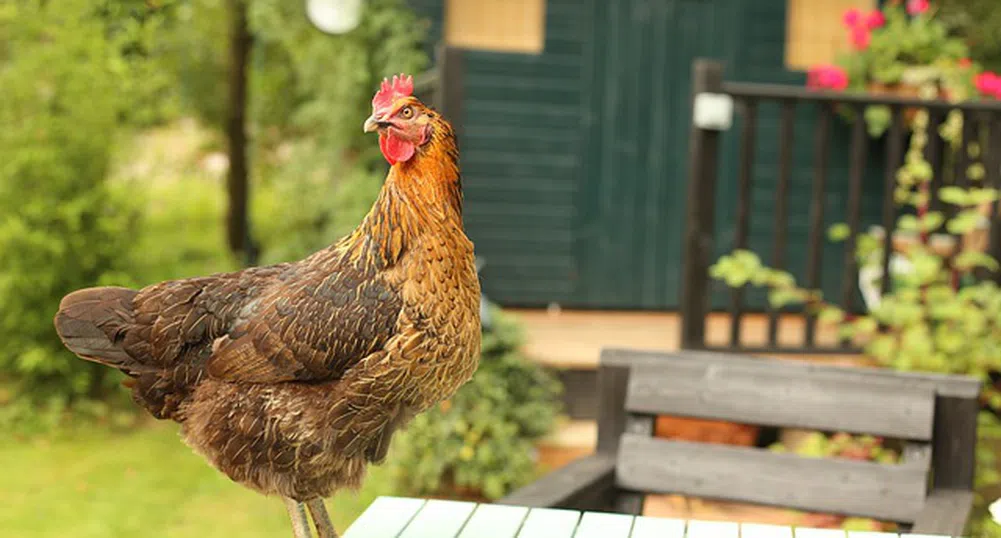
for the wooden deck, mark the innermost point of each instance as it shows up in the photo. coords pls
(573, 339)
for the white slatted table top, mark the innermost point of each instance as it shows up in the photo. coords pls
(402, 517)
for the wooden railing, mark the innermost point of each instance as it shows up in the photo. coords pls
(982, 120)
(442, 85)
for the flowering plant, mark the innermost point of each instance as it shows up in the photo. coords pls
(903, 49)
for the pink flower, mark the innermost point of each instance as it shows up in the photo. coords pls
(988, 84)
(876, 19)
(852, 18)
(917, 7)
(861, 37)
(827, 77)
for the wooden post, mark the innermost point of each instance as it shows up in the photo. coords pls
(613, 382)
(707, 76)
(449, 93)
(954, 442)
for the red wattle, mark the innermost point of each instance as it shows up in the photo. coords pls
(396, 150)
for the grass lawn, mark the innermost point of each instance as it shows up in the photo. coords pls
(144, 483)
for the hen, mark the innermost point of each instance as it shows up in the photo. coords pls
(292, 378)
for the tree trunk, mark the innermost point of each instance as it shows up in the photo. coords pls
(237, 184)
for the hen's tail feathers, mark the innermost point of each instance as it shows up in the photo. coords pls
(92, 323)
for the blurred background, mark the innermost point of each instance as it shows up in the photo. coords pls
(145, 140)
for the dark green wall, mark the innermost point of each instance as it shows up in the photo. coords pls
(575, 160)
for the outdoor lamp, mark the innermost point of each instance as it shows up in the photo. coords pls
(334, 16)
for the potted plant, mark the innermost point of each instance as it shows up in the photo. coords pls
(901, 49)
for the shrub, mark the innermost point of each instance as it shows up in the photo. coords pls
(62, 226)
(482, 439)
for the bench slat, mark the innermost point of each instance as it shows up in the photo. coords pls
(756, 530)
(494, 521)
(712, 529)
(604, 525)
(549, 523)
(860, 488)
(959, 386)
(438, 519)
(655, 527)
(384, 518)
(768, 394)
(820, 533)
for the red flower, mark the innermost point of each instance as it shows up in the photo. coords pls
(827, 77)
(852, 18)
(876, 19)
(988, 84)
(917, 7)
(964, 63)
(861, 37)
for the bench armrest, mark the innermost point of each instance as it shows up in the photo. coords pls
(584, 484)
(946, 512)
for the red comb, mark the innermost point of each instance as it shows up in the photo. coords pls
(402, 86)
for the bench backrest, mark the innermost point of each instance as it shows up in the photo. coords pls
(916, 408)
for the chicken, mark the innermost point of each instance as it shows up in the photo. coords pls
(292, 378)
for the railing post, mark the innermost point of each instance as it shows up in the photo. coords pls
(707, 77)
(449, 91)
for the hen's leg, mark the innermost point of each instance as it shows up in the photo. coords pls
(297, 513)
(324, 528)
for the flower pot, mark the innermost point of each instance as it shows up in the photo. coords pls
(705, 431)
(898, 90)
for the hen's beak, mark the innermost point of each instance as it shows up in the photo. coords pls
(371, 124)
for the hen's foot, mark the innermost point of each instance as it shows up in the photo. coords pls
(324, 528)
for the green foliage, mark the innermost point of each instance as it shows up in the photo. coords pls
(482, 439)
(979, 22)
(842, 445)
(62, 226)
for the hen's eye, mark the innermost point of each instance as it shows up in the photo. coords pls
(407, 112)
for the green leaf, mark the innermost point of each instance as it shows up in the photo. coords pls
(882, 348)
(908, 223)
(970, 259)
(953, 195)
(781, 297)
(865, 325)
(982, 196)
(931, 221)
(964, 222)
(838, 232)
(926, 267)
(948, 339)
(830, 314)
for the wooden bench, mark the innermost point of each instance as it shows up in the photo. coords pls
(929, 491)
(401, 517)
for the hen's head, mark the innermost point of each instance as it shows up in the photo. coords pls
(403, 122)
